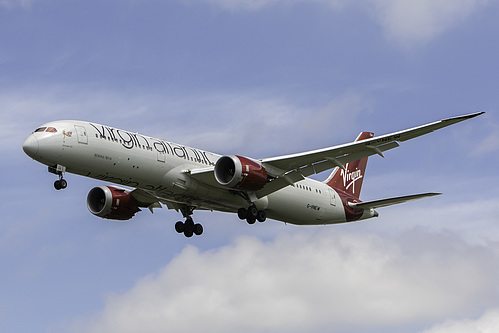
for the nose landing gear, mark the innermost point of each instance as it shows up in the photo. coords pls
(59, 170)
(60, 184)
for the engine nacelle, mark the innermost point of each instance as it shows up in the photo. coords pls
(241, 173)
(112, 203)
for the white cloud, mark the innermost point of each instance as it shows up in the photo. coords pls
(408, 23)
(488, 323)
(13, 3)
(416, 22)
(307, 282)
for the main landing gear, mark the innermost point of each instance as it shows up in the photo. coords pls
(252, 214)
(188, 228)
(59, 170)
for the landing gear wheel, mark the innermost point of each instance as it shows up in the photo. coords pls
(252, 212)
(251, 220)
(60, 184)
(188, 233)
(198, 229)
(189, 227)
(261, 216)
(179, 227)
(242, 213)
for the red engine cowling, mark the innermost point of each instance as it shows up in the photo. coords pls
(112, 203)
(241, 173)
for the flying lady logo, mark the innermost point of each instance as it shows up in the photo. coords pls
(67, 134)
(349, 178)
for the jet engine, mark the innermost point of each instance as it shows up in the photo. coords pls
(240, 173)
(112, 203)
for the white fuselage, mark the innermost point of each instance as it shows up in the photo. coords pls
(163, 167)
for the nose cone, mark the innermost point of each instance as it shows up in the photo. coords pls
(30, 146)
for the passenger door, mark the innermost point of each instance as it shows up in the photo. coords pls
(81, 133)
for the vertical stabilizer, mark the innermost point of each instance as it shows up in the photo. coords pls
(350, 179)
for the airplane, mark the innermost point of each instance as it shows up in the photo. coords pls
(156, 172)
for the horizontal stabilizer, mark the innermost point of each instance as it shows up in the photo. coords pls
(389, 201)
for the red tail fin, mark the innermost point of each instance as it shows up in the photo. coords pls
(350, 180)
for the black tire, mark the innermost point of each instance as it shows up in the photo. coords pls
(188, 227)
(251, 220)
(179, 227)
(63, 183)
(242, 213)
(189, 224)
(262, 216)
(252, 212)
(57, 185)
(198, 229)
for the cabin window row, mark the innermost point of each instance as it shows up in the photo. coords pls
(308, 188)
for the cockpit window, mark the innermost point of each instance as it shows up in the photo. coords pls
(46, 129)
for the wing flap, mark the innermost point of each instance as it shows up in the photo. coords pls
(143, 197)
(390, 201)
(146, 199)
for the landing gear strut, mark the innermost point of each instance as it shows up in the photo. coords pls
(59, 170)
(252, 214)
(188, 228)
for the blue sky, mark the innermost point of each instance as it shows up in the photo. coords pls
(258, 78)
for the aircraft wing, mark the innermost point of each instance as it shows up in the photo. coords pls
(375, 145)
(390, 201)
(289, 169)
